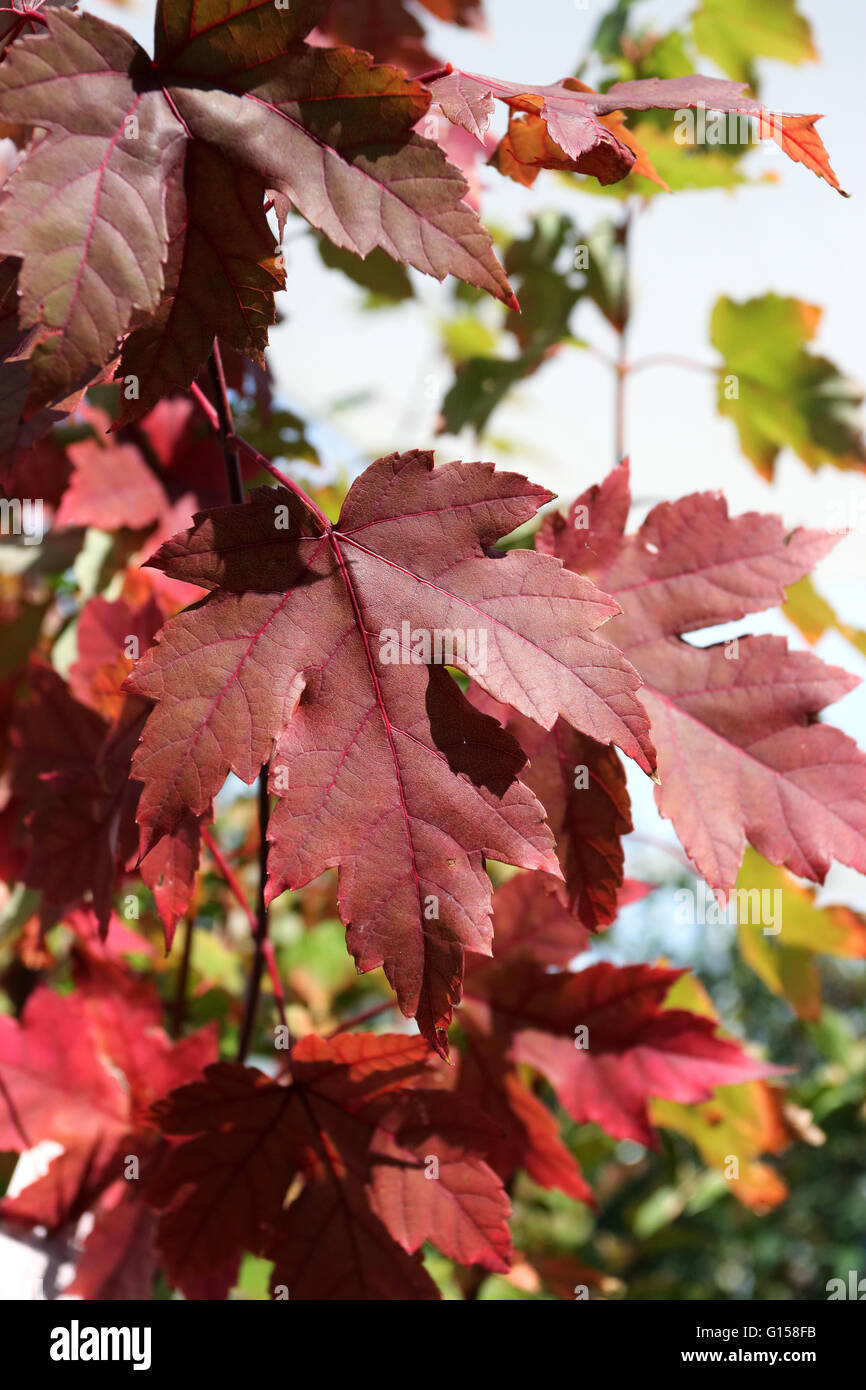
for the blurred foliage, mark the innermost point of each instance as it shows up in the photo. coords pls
(779, 393)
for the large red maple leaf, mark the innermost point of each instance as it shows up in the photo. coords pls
(742, 755)
(313, 649)
(383, 1163)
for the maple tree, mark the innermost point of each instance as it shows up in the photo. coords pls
(428, 675)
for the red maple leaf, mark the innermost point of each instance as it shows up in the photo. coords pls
(70, 770)
(303, 654)
(231, 107)
(354, 1127)
(742, 755)
(605, 1042)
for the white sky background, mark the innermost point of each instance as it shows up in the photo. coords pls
(796, 237)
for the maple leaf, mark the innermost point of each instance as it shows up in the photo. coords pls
(17, 434)
(110, 636)
(747, 1120)
(71, 774)
(527, 147)
(104, 179)
(221, 276)
(606, 1043)
(380, 764)
(574, 117)
(533, 920)
(117, 1261)
(744, 1121)
(463, 1208)
(787, 963)
(136, 152)
(385, 28)
(734, 33)
(533, 929)
(741, 754)
(53, 1085)
(22, 17)
(352, 1124)
(105, 659)
(110, 486)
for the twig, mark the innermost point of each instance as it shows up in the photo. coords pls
(261, 934)
(236, 887)
(665, 359)
(435, 73)
(622, 366)
(179, 1010)
(263, 952)
(237, 442)
(196, 391)
(364, 1017)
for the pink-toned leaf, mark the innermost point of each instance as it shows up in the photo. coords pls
(742, 756)
(380, 764)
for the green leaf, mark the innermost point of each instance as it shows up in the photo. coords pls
(378, 274)
(736, 32)
(482, 383)
(777, 392)
(812, 614)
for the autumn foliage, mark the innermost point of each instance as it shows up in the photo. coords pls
(233, 622)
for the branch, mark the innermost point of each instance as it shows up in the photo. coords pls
(200, 397)
(435, 73)
(233, 882)
(264, 948)
(179, 1010)
(363, 1018)
(666, 359)
(233, 442)
(622, 366)
(221, 417)
(238, 443)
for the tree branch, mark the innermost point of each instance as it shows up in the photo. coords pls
(264, 950)
(179, 1009)
(261, 934)
(374, 1012)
